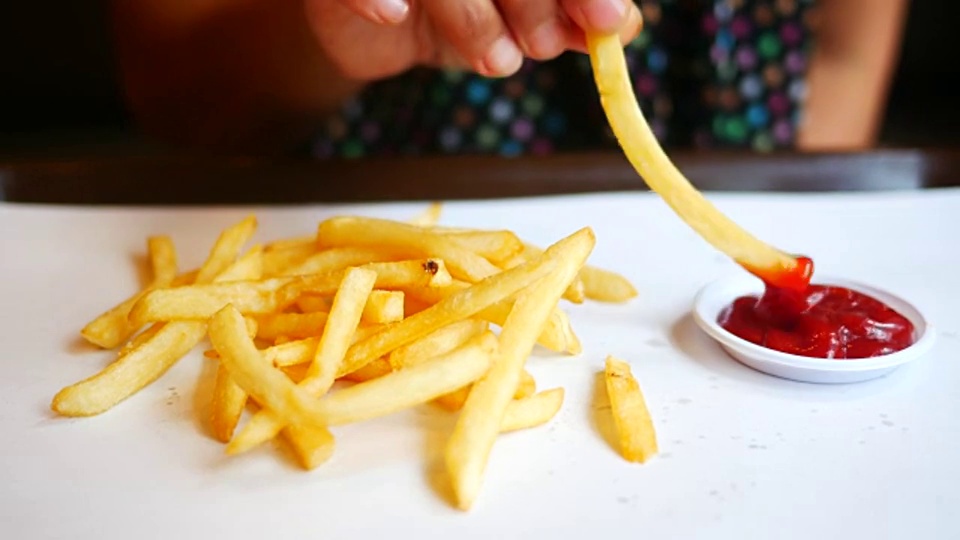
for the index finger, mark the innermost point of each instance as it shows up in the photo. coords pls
(600, 16)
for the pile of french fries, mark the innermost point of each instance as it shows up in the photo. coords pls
(365, 318)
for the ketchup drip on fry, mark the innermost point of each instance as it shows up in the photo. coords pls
(817, 321)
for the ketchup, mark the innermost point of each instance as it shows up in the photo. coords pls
(818, 321)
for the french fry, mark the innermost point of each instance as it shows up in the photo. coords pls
(344, 319)
(268, 386)
(333, 260)
(144, 364)
(348, 307)
(482, 414)
(440, 341)
(293, 405)
(301, 351)
(374, 370)
(454, 400)
(532, 411)
(228, 403)
(383, 307)
(278, 261)
(495, 246)
(140, 338)
(527, 386)
(637, 436)
(461, 304)
(411, 386)
(557, 336)
(113, 327)
(428, 217)
(314, 304)
(228, 400)
(200, 302)
(644, 152)
(605, 286)
(290, 325)
(405, 239)
(131, 372)
(313, 446)
(289, 243)
(226, 249)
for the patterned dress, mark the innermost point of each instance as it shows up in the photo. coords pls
(708, 73)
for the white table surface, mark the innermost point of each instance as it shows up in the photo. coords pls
(744, 455)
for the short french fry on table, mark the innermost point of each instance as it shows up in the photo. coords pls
(363, 319)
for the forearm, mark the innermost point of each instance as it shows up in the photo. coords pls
(857, 46)
(235, 75)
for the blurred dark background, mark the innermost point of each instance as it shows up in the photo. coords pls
(57, 88)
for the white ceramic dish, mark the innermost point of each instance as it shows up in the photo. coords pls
(713, 298)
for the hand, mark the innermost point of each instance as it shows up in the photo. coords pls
(374, 39)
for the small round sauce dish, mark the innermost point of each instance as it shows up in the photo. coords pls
(717, 296)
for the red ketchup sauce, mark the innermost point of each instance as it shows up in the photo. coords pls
(817, 321)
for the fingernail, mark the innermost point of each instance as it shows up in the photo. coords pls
(392, 11)
(503, 57)
(604, 15)
(546, 40)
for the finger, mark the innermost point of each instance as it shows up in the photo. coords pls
(576, 38)
(604, 16)
(475, 29)
(379, 11)
(537, 26)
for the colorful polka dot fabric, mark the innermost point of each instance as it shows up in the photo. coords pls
(707, 73)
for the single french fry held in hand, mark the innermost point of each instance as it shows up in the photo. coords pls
(480, 419)
(113, 327)
(643, 151)
(636, 434)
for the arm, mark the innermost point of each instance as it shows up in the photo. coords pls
(225, 74)
(857, 47)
